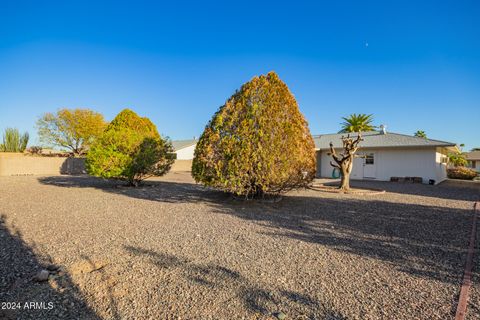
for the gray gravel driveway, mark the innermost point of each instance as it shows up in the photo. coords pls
(175, 250)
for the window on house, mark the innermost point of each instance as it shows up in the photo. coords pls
(369, 158)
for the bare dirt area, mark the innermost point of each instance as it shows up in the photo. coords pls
(175, 250)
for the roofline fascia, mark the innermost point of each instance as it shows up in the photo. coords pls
(396, 147)
(185, 147)
(400, 134)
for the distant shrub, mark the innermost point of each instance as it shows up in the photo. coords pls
(461, 173)
(130, 149)
(35, 150)
(13, 141)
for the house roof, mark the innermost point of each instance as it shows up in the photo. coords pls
(376, 139)
(180, 144)
(473, 155)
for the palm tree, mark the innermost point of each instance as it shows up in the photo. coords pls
(420, 134)
(344, 160)
(357, 123)
(457, 159)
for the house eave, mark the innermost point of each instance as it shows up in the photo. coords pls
(449, 147)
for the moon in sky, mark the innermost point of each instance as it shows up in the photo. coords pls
(366, 44)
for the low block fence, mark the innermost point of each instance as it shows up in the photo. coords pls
(20, 164)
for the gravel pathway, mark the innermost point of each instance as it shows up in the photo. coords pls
(175, 250)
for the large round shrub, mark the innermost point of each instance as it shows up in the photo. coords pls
(130, 149)
(257, 143)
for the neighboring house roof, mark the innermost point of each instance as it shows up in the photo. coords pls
(377, 139)
(180, 144)
(473, 155)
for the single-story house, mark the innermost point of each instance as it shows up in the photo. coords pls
(473, 159)
(383, 156)
(184, 149)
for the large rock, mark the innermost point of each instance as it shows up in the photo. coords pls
(42, 275)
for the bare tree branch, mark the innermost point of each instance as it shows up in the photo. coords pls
(344, 161)
(334, 165)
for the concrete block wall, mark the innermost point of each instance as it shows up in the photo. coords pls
(16, 164)
(19, 164)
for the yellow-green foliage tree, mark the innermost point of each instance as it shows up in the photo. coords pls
(257, 143)
(130, 149)
(73, 129)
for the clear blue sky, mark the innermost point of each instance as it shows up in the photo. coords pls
(177, 62)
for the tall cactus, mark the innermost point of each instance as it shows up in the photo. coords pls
(13, 141)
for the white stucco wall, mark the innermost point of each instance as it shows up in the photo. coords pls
(186, 153)
(394, 162)
(440, 168)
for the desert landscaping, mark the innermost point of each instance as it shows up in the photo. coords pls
(254, 160)
(245, 222)
(173, 249)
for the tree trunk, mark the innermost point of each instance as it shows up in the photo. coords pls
(344, 161)
(345, 169)
(133, 182)
(345, 180)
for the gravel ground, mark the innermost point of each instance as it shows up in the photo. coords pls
(175, 250)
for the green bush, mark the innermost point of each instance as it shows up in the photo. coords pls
(13, 141)
(461, 173)
(257, 143)
(458, 159)
(130, 149)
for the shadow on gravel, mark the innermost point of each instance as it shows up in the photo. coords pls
(427, 242)
(214, 279)
(164, 191)
(18, 267)
(448, 189)
(424, 241)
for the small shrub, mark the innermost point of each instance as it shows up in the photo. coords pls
(13, 141)
(130, 149)
(35, 150)
(461, 173)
